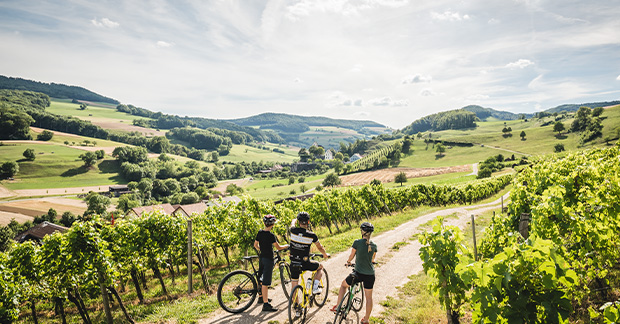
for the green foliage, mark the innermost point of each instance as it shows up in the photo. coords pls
(526, 283)
(558, 148)
(130, 154)
(29, 154)
(454, 119)
(97, 204)
(331, 180)
(14, 124)
(9, 169)
(89, 158)
(54, 90)
(441, 252)
(401, 177)
(45, 135)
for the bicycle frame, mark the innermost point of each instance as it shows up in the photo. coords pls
(302, 283)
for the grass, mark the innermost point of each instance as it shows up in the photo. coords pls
(57, 166)
(240, 153)
(92, 113)
(414, 304)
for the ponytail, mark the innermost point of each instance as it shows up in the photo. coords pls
(366, 235)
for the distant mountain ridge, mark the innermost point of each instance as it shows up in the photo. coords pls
(53, 90)
(264, 120)
(575, 107)
(484, 113)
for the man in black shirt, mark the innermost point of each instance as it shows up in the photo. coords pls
(264, 243)
(301, 241)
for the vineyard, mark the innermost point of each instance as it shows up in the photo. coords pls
(94, 258)
(564, 268)
(374, 159)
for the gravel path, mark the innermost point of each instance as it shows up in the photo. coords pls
(392, 271)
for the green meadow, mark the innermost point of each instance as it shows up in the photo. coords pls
(57, 166)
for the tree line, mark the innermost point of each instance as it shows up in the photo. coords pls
(453, 119)
(54, 90)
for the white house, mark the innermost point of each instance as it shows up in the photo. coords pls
(329, 155)
(355, 157)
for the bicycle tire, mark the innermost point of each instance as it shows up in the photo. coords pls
(320, 299)
(358, 301)
(285, 279)
(343, 309)
(297, 293)
(239, 285)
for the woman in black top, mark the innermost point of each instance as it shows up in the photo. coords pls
(264, 244)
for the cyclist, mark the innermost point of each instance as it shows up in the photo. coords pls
(301, 240)
(265, 240)
(364, 252)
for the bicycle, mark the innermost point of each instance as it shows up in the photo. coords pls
(351, 300)
(302, 297)
(238, 289)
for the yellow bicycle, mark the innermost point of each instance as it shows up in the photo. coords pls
(302, 297)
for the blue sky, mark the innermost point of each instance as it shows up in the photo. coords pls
(391, 61)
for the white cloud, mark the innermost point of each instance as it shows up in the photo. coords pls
(428, 92)
(493, 21)
(477, 97)
(618, 78)
(305, 8)
(521, 64)
(105, 22)
(387, 101)
(417, 78)
(163, 44)
(449, 16)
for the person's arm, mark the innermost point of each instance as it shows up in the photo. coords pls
(280, 247)
(321, 249)
(351, 256)
(257, 246)
(293, 222)
(373, 257)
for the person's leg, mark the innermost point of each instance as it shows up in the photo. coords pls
(265, 291)
(368, 293)
(319, 273)
(346, 283)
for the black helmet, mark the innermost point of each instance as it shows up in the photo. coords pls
(367, 227)
(303, 217)
(269, 219)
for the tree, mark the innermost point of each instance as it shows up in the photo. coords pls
(9, 169)
(96, 204)
(401, 177)
(83, 106)
(332, 180)
(67, 219)
(440, 149)
(6, 236)
(14, 124)
(522, 135)
(29, 154)
(302, 188)
(558, 148)
(45, 136)
(232, 189)
(558, 127)
(303, 155)
(291, 180)
(100, 154)
(126, 202)
(89, 158)
(597, 111)
(338, 166)
(375, 182)
(338, 156)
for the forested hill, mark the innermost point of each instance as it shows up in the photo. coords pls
(484, 113)
(574, 107)
(53, 90)
(294, 123)
(453, 119)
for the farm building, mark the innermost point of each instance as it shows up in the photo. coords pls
(138, 211)
(39, 231)
(117, 191)
(189, 210)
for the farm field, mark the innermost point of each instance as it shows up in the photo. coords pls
(240, 153)
(56, 166)
(107, 118)
(426, 157)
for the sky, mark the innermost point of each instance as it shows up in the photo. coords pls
(390, 61)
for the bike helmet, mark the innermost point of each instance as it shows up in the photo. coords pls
(303, 217)
(269, 219)
(367, 227)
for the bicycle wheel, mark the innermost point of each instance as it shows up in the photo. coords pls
(285, 278)
(237, 291)
(297, 306)
(358, 297)
(320, 299)
(343, 309)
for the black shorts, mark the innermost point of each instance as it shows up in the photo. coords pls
(367, 280)
(298, 267)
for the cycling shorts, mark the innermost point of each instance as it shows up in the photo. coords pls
(367, 280)
(298, 267)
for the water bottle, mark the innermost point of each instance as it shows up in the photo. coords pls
(309, 284)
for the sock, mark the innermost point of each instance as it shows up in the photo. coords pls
(316, 284)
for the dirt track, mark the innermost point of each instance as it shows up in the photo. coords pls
(387, 175)
(393, 269)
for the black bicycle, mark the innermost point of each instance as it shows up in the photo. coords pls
(238, 289)
(353, 299)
